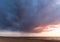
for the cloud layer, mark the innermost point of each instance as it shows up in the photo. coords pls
(25, 15)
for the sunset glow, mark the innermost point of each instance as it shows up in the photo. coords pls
(54, 26)
(47, 28)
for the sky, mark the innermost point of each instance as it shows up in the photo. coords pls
(25, 15)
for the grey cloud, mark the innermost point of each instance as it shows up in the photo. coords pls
(24, 15)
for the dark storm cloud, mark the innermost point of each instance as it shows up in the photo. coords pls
(24, 15)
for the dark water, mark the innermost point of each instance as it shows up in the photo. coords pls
(24, 39)
(24, 15)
